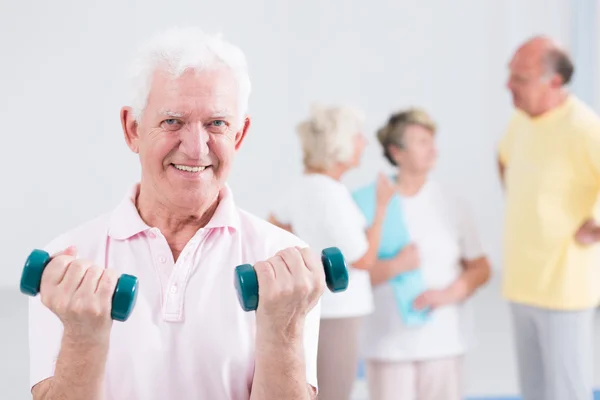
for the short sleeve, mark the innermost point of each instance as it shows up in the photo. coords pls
(346, 227)
(45, 334)
(470, 242)
(506, 141)
(311, 342)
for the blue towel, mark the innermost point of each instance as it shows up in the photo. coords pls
(394, 237)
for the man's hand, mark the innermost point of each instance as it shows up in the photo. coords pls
(290, 285)
(588, 233)
(80, 294)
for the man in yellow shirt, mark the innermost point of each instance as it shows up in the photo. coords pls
(549, 160)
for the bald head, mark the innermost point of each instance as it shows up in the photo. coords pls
(547, 55)
(538, 71)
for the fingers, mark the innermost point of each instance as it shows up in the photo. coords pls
(57, 267)
(91, 279)
(311, 261)
(294, 260)
(280, 267)
(292, 278)
(264, 272)
(107, 283)
(75, 271)
(273, 275)
(305, 268)
(69, 251)
(314, 265)
(54, 272)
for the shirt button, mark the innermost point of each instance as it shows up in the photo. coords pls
(162, 259)
(173, 289)
(151, 235)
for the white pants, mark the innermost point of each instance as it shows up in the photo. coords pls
(554, 352)
(423, 380)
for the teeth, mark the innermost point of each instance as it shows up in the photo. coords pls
(189, 169)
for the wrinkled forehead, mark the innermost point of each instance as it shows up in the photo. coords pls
(194, 93)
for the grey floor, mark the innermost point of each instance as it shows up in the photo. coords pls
(490, 368)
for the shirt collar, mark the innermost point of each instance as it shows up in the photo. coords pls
(125, 221)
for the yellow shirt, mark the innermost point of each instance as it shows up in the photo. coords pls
(552, 185)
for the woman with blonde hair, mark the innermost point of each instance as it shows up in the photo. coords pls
(416, 352)
(319, 209)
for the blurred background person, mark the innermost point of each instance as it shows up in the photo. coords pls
(424, 362)
(319, 209)
(549, 161)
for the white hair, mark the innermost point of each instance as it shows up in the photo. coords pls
(327, 136)
(177, 50)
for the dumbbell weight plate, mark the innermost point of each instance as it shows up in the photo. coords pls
(246, 281)
(123, 300)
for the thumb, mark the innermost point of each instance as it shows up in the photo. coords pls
(69, 251)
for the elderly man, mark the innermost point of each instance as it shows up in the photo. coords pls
(550, 165)
(181, 233)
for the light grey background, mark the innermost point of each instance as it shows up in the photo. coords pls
(64, 159)
(63, 83)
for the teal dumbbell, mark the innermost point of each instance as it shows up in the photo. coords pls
(124, 296)
(336, 277)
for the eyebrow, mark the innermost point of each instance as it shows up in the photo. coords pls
(221, 114)
(173, 114)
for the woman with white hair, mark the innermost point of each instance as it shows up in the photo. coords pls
(415, 352)
(320, 210)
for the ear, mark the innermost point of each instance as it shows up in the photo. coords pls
(556, 81)
(130, 129)
(241, 134)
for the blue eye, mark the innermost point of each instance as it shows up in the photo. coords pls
(171, 124)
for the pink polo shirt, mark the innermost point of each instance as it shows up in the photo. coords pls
(187, 337)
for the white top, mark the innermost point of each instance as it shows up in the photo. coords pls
(187, 337)
(441, 227)
(323, 213)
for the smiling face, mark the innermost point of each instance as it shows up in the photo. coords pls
(187, 136)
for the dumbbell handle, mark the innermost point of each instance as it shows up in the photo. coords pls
(123, 299)
(334, 265)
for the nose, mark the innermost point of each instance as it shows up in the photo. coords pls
(194, 141)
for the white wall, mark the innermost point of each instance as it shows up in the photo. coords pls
(62, 78)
